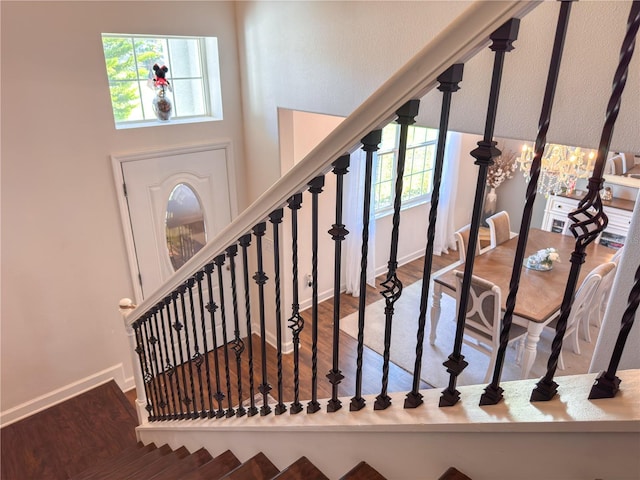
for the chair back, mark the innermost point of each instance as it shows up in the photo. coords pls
(584, 296)
(483, 307)
(499, 228)
(462, 241)
(607, 272)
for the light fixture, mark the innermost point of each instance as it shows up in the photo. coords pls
(561, 167)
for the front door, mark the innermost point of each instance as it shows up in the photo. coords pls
(174, 202)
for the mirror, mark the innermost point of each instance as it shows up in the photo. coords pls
(184, 225)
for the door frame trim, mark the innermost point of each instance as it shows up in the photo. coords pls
(118, 176)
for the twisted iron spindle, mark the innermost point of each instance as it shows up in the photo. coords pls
(178, 414)
(178, 326)
(276, 219)
(203, 328)
(449, 81)
(245, 242)
(296, 322)
(212, 308)
(502, 42)
(156, 355)
(151, 372)
(493, 392)
(589, 219)
(392, 284)
(168, 367)
(197, 356)
(370, 145)
(237, 345)
(315, 188)
(260, 278)
(183, 306)
(219, 261)
(607, 383)
(166, 408)
(143, 366)
(338, 233)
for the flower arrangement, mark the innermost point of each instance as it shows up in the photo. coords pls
(543, 259)
(502, 169)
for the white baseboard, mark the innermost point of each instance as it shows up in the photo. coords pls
(59, 395)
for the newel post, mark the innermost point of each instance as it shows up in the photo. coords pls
(125, 306)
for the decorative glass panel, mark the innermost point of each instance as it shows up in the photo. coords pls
(185, 229)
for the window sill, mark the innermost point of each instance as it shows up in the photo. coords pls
(158, 123)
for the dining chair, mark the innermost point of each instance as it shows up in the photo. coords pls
(462, 240)
(607, 272)
(484, 320)
(580, 309)
(499, 228)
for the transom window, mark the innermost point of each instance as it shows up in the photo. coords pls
(193, 75)
(418, 170)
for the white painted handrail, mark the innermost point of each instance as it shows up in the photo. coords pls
(458, 42)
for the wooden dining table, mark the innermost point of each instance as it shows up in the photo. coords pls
(540, 293)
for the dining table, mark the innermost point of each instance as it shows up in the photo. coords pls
(540, 293)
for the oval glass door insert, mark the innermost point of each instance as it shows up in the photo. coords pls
(184, 225)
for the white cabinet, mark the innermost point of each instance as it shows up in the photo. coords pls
(618, 212)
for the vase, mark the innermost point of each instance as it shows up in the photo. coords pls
(489, 208)
(162, 106)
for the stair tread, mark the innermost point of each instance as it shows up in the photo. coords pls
(126, 455)
(258, 467)
(121, 471)
(184, 466)
(158, 465)
(214, 469)
(362, 471)
(453, 474)
(301, 469)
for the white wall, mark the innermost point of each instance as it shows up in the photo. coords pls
(64, 264)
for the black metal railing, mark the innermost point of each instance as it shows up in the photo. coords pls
(198, 358)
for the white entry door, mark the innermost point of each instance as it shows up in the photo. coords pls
(173, 201)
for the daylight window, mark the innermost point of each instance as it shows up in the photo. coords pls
(418, 169)
(191, 84)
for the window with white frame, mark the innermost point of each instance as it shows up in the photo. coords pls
(193, 75)
(418, 170)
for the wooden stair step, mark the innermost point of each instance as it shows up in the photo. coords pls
(258, 467)
(125, 456)
(120, 471)
(159, 465)
(186, 465)
(453, 474)
(214, 469)
(363, 471)
(301, 469)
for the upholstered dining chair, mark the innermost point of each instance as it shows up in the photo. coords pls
(499, 228)
(580, 310)
(607, 272)
(484, 320)
(462, 240)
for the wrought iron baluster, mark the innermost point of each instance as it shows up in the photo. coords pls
(296, 322)
(158, 362)
(245, 242)
(502, 42)
(182, 290)
(143, 366)
(197, 356)
(276, 219)
(207, 369)
(315, 188)
(392, 284)
(237, 343)
(338, 233)
(449, 81)
(219, 261)
(589, 218)
(151, 374)
(178, 326)
(493, 392)
(370, 145)
(166, 366)
(212, 308)
(260, 278)
(179, 414)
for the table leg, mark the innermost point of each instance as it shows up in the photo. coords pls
(435, 312)
(530, 348)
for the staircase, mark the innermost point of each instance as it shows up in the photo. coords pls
(148, 462)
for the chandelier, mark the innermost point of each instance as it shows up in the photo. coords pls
(561, 167)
